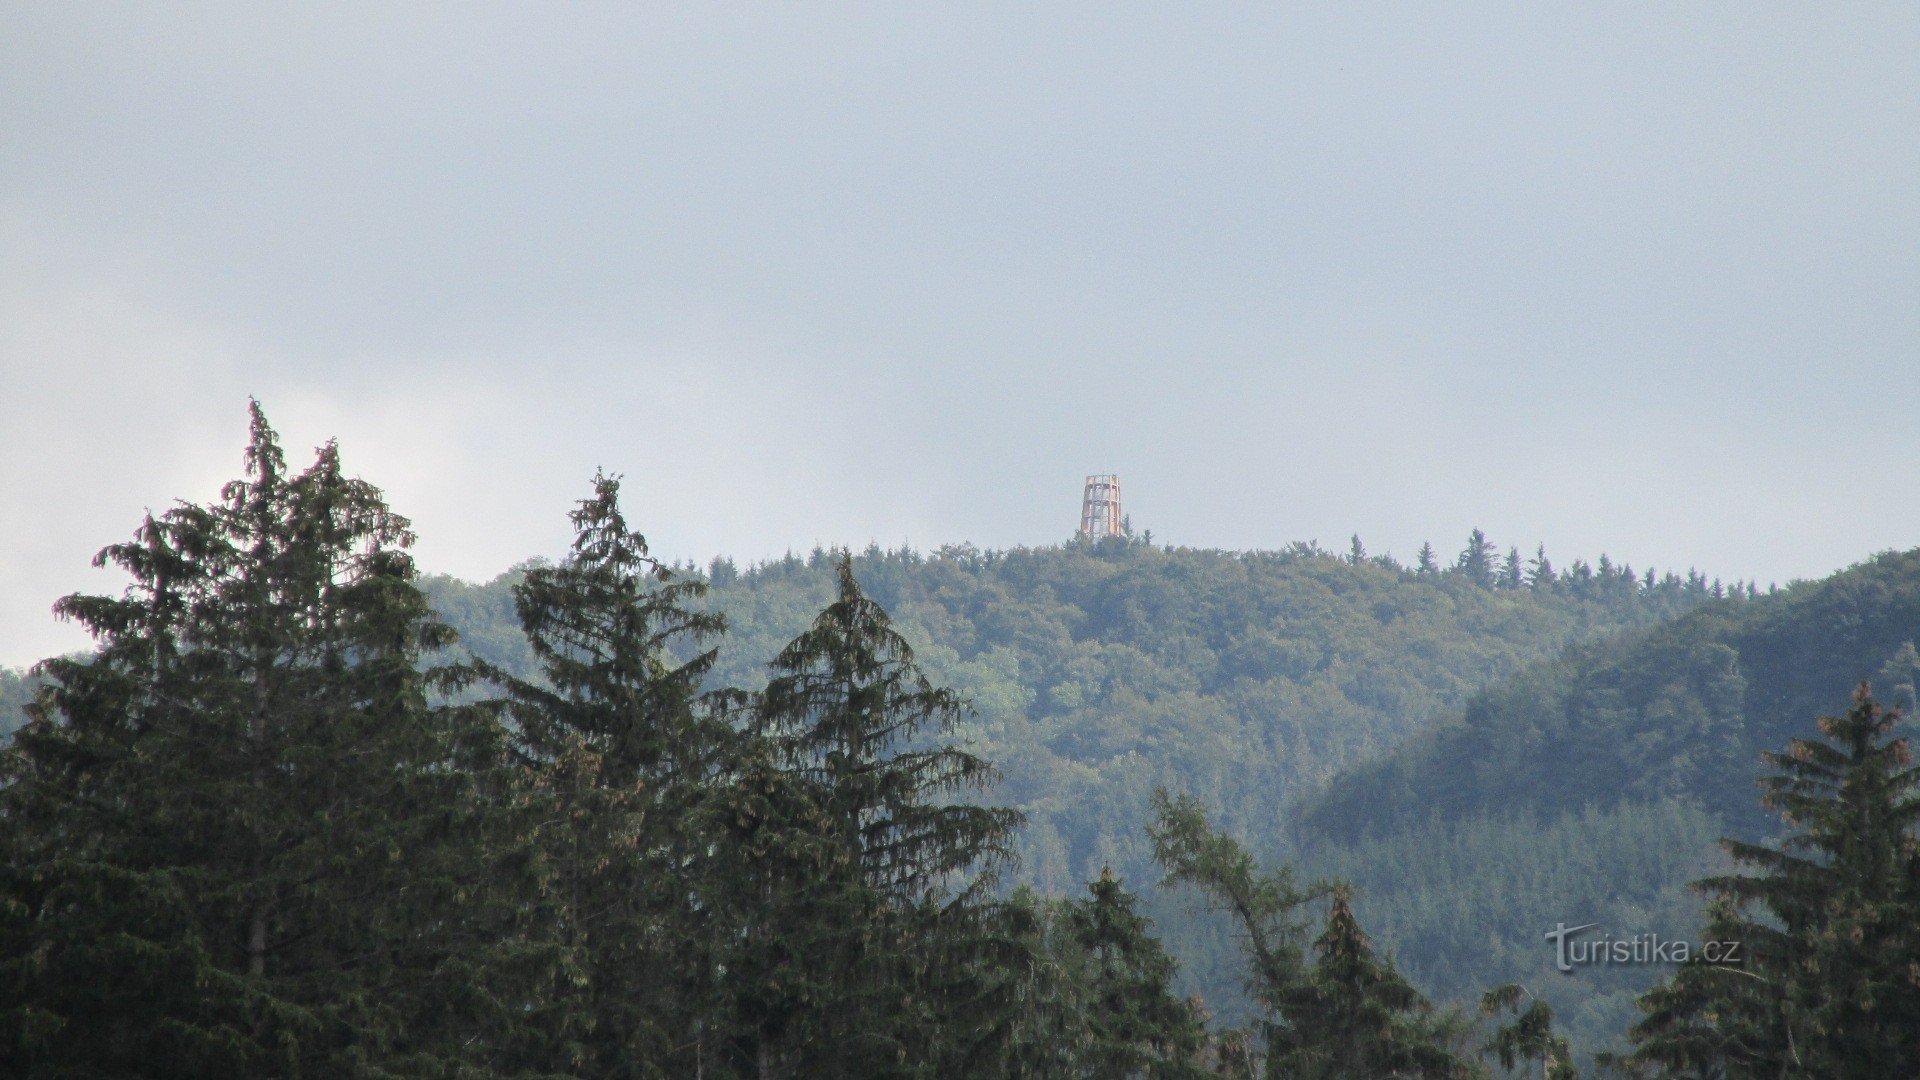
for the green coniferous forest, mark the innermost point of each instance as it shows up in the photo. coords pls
(1594, 786)
(1106, 810)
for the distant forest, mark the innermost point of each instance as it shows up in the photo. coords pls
(1096, 673)
(1095, 810)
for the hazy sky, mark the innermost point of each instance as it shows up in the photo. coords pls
(1634, 279)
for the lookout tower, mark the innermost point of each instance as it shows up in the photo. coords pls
(1100, 514)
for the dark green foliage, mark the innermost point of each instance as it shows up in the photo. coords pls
(1139, 1027)
(893, 952)
(241, 839)
(774, 852)
(1592, 788)
(1349, 1013)
(1680, 709)
(1540, 573)
(618, 750)
(1265, 905)
(1093, 995)
(1476, 562)
(842, 711)
(1426, 562)
(1529, 1035)
(1513, 577)
(1354, 1015)
(1463, 904)
(1829, 983)
(238, 841)
(1098, 674)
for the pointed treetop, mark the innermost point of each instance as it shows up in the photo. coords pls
(264, 461)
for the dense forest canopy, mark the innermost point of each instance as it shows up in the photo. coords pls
(1097, 673)
(1680, 709)
(1594, 786)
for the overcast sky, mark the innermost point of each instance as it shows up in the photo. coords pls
(1640, 280)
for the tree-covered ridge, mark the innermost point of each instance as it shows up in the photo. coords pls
(1594, 786)
(1097, 673)
(1681, 709)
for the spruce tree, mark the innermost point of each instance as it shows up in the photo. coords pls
(1347, 1014)
(1138, 1026)
(1540, 572)
(1829, 983)
(1476, 561)
(1047, 1025)
(1354, 1015)
(622, 753)
(771, 851)
(895, 947)
(1092, 994)
(1512, 576)
(239, 841)
(1426, 562)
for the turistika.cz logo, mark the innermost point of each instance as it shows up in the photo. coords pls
(1570, 951)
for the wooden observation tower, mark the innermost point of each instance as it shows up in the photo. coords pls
(1100, 515)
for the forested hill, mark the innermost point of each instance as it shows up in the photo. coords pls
(1684, 708)
(1592, 787)
(1100, 672)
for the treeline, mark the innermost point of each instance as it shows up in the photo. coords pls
(1593, 787)
(241, 841)
(1481, 563)
(258, 832)
(1680, 709)
(1099, 673)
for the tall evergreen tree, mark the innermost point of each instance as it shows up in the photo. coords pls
(1540, 572)
(1094, 993)
(1830, 984)
(1512, 574)
(1138, 1027)
(894, 954)
(1347, 1014)
(622, 751)
(1426, 562)
(239, 842)
(1354, 1015)
(774, 849)
(1476, 560)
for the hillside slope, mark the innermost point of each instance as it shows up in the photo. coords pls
(1593, 787)
(1100, 672)
(1681, 709)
